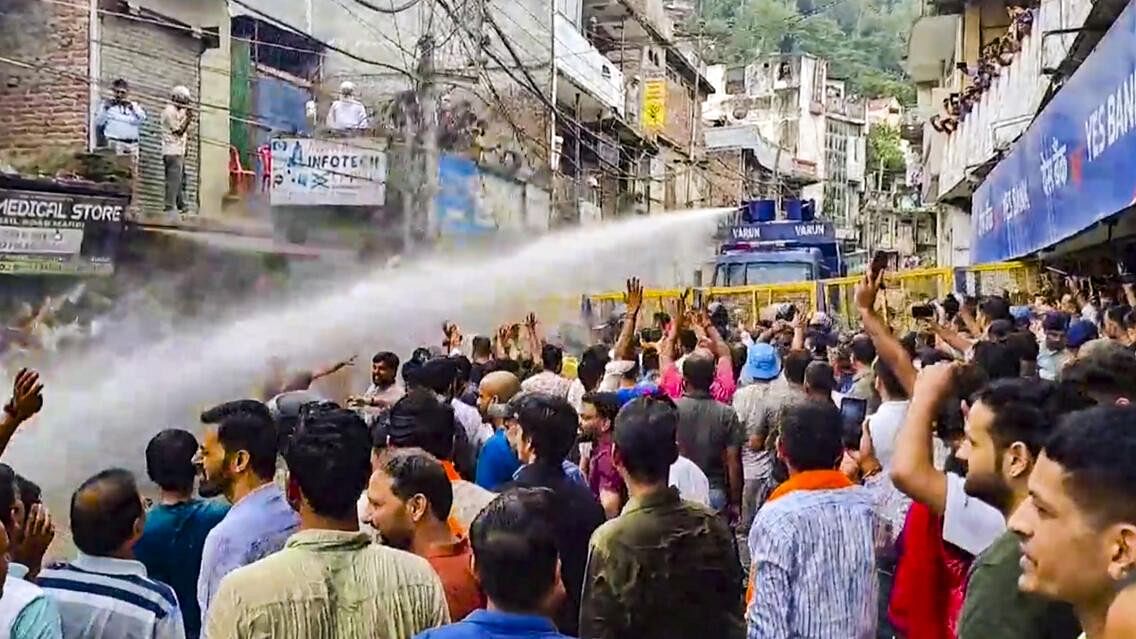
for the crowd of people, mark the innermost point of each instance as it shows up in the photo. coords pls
(996, 54)
(689, 477)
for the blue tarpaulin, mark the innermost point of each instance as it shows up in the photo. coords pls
(1075, 165)
(458, 199)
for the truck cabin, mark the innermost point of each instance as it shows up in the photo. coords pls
(747, 268)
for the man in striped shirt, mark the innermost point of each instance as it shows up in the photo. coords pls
(104, 592)
(813, 543)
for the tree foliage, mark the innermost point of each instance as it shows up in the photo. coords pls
(885, 149)
(864, 41)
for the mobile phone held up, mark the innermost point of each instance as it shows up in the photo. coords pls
(879, 263)
(922, 311)
(853, 412)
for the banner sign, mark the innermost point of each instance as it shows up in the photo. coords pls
(348, 172)
(654, 115)
(1075, 165)
(801, 232)
(459, 198)
(52, 233)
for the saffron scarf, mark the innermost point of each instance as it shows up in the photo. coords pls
(452, 474)
(808, 480)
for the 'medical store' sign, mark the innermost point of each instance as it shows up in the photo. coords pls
(52, 233)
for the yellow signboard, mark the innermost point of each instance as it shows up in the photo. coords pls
(654, 113)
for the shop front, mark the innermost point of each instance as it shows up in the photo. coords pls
(1074, 168)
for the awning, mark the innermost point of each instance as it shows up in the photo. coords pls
(1075, 165)
(259, 244)
(931, 47)
(747, 136)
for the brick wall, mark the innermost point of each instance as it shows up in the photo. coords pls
(45, 107)
(724, 173)
(679, 105)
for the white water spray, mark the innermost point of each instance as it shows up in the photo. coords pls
(102, 408)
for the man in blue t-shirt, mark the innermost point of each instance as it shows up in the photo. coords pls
(177, 525)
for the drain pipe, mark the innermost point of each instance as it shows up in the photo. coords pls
(94, 61)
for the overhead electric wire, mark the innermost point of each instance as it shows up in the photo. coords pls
(389, 11)
(556, 110)
(282, 24)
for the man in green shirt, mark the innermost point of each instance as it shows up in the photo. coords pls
(329, 580)
(1005, 430)
(665, 567)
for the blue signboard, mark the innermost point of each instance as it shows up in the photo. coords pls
(801, 232)
(1075, 166)
(459, 196)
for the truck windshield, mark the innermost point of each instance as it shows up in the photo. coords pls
(762, 273)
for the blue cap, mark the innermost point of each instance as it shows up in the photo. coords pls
(762, 363)
(1080, 333)
(1021, 314)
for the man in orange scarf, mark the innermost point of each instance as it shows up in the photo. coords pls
(813, 543)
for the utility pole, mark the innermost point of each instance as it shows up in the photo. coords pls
(428, 189)
(419, 153)
(554, 162)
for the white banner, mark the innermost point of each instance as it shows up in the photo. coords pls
(26, 239)
(347, 172)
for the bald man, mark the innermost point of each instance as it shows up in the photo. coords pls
(104, 592)
(498, 388)
(497, 461)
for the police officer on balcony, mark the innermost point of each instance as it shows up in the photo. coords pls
(119, 120)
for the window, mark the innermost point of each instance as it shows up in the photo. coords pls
(735, 80)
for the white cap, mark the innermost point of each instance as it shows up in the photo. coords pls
(181, 92)
(346, 86)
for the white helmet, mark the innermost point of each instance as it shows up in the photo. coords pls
(347, 86)
(180, 91)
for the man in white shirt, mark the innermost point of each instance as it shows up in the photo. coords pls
(347, 113)
(885, 423)
(121, 120)
(176, 119)
(691, 482)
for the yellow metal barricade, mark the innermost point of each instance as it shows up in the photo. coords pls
(902, 289)
(839, 301)
(1022, 280)
(745, 303)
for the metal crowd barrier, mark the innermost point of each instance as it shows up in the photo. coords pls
(836, 296)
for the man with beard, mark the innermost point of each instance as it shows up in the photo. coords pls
(384, 390)
(408, 501)
(1006, 426)
(1052, 356)
(238, 460)
(329, 580)
(1078, 525)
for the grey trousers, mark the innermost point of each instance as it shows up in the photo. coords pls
(175, 182)
(754, 493)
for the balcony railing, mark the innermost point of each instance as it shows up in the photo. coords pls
(586, 67)
(1004, 110)
(848, 108)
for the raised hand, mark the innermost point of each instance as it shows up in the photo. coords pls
(39, 531)
(867, 290)
(27, 396)
(634, 295)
